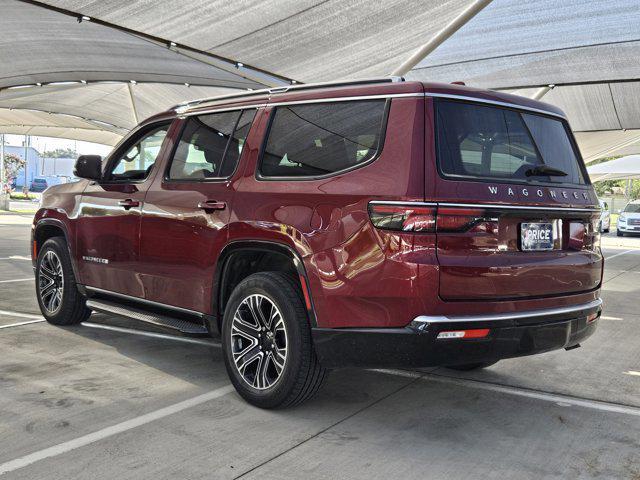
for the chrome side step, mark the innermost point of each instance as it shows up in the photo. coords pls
(184, 326)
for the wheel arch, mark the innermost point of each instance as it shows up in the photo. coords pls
(45, 229)
(239, 250)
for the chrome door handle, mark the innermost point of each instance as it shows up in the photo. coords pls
(129, 203)
(210, 205)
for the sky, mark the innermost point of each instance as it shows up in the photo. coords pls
(47, 143)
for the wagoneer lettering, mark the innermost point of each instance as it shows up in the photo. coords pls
(377, 224)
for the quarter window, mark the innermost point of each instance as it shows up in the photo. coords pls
(322, 139)
(210, 145)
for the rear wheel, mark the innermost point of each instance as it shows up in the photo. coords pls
(267, 342)
(471, 366)
(58, 297)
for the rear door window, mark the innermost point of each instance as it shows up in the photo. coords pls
(485, 142)
(210, 145)
(322, 139)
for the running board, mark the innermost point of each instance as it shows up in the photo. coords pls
(183, 326)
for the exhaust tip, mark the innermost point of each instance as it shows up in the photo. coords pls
(572, 347)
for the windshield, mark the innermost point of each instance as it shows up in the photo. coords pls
(632, 208)
(486, 142)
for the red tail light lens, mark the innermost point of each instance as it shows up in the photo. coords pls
(425, 218)
(459, 219)
(405, 218)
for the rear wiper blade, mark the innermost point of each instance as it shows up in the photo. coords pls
(545, 171)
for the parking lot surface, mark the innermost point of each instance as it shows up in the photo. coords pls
(104, 401)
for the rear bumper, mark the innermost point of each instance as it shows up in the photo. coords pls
(417, 345)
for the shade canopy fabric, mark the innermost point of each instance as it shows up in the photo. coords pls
(620, 169)
(587, 49)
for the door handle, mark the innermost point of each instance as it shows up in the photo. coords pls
(210, 205)
(129, 203)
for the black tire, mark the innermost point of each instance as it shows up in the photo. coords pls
(301, 375)
(606, 230)
(472, 366)
(72, 307)
(619, 233)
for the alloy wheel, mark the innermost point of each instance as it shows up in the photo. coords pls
(259, 341)
(51, 282)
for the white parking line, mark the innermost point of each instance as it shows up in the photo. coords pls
(20, 314)
(15, 257)
(113, 430)
(18, 280)
(621, 253)
(163, 336)
(21, 323)
(558, 399)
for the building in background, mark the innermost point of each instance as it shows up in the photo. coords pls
(34, 164)
(57, 167)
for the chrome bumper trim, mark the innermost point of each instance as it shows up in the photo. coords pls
(422, 321)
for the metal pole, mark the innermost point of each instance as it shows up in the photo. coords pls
(541, 92)
(26, 164)
(4, 203)
(453, 26)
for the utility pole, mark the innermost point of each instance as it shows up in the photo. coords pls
(25, 188)
(4, 197)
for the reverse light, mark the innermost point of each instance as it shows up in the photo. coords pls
(456, 334)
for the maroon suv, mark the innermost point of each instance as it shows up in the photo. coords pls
(370, 224)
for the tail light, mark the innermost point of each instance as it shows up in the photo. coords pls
(403, 217)
(425, 218)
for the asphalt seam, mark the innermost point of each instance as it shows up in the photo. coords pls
(315, 435)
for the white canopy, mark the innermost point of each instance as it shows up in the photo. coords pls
(619, 169)
(587, 49)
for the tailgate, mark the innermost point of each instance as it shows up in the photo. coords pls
(510, 252)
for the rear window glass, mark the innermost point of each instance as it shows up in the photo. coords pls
(484, 142)
(321, 139)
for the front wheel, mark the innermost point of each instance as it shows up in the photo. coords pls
(619, 233)
(267, 344)
(58, 297)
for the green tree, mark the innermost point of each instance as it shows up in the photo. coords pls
(61, 153)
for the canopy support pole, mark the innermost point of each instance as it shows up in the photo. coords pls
(136, 120)
(4, 196)
(437, 40)
(541, 92)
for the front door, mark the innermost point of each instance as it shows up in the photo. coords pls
(188, 208)
(108, 225)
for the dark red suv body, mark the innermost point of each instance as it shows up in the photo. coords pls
(426, 224)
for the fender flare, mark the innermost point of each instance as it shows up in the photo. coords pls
(54, 222)
(236, 246)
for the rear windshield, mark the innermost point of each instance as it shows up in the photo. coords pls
(632, 208)
(486, 142)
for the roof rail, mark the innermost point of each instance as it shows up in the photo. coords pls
(275, 90)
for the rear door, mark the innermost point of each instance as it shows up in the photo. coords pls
(188, 208)
(517, 217)
(108, 224)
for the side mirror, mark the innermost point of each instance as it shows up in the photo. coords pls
(89, 167)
